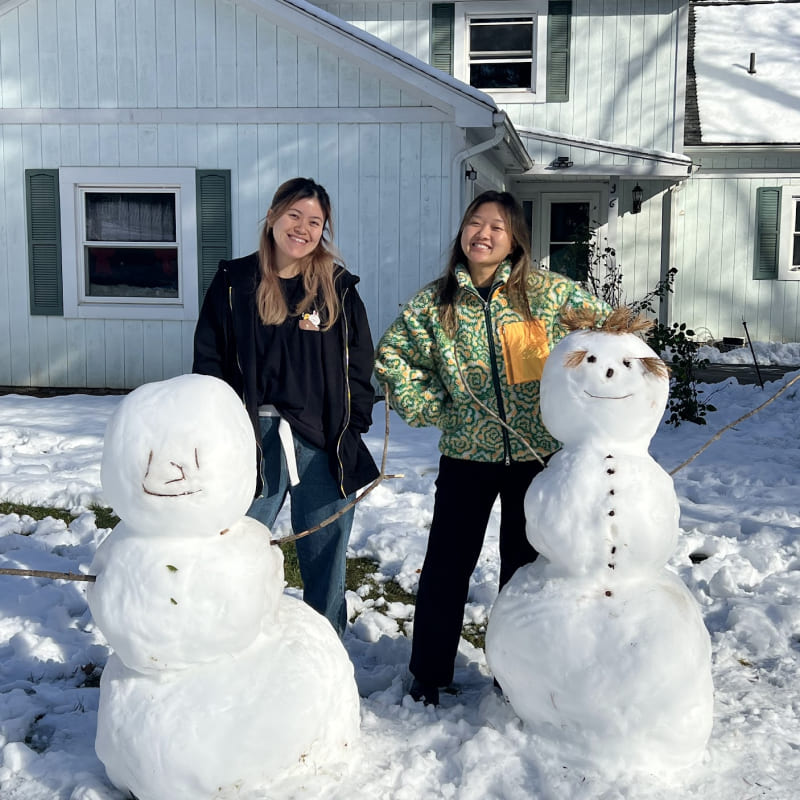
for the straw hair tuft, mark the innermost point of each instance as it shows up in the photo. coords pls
(620, 320)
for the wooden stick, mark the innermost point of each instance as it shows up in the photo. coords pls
(56, 576)
(381, 475)
(735, 422)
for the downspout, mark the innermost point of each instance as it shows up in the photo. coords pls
(456, 174)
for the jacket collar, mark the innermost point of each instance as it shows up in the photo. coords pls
(500, 276)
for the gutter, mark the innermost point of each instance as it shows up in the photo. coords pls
(500, 123)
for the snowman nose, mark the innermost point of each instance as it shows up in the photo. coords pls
(609, 372)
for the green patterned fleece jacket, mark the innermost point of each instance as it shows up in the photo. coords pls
(417, 360)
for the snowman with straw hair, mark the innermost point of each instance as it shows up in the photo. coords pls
(601, 649)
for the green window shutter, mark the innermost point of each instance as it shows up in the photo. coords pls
(442, 16)
(44, 241)
(768, 215)
(214, 240)
(559, 15)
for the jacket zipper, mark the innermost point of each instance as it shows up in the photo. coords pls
(346, 394)
(487, 315)
(259, 456)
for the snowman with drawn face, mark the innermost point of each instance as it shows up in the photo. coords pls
(600, 649)
(219, 682)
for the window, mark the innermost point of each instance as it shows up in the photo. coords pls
(501, 52)
(568, 248)
(517, 50)
(131, 245)
(789, 267)
(125, 243)
(567, 226)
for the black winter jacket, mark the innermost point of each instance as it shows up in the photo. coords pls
(225, 347)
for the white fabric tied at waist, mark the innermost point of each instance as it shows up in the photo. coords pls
(287, 443)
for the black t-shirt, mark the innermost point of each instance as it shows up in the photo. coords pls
(290, 368)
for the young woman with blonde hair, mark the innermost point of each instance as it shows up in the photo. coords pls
(286, 328)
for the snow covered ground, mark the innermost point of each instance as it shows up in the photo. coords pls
(739, 503)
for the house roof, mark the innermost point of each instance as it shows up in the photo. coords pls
(726, 102)
(641, 161)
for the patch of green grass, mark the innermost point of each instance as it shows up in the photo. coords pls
(105, 516)
(475, 634)
(36, 512)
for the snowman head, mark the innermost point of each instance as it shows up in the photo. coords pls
(179, 457)
(604, 384)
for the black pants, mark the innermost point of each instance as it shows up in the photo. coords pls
(465, 493)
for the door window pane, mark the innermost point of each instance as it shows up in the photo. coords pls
(569, 236)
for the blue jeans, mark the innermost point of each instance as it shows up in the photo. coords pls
(322, 555)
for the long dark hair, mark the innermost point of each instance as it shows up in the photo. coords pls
(317, 270)
(520, 256)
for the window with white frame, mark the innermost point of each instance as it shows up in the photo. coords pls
(789, 249)
(501, 47)
(501, 52)
(130, 244)
(133, 235)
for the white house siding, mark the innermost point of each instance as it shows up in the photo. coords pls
(718, 290)
(91, 83)
(623, 63)
(403, 25)
(622, 75)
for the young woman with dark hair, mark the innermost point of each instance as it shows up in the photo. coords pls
(491, 319)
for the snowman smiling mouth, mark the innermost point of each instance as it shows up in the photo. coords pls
(174, 467)
(607, 397)
(169, 494)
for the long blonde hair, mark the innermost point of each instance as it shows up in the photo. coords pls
(520, 256)
(317, 270)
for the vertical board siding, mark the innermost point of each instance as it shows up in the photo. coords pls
(622, 66)
(385, 181)
(389, 182)
(715, 288)
(184, 54)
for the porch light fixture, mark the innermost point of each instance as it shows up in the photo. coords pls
(562, 162)
(471, 174)
(637, 194)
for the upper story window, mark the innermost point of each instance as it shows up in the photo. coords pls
(501, 52)
(517, 50)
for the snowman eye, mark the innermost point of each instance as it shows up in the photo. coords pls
(592, 359)
(626, 362)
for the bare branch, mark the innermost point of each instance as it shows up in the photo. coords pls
(56, 576)
(732, 424)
